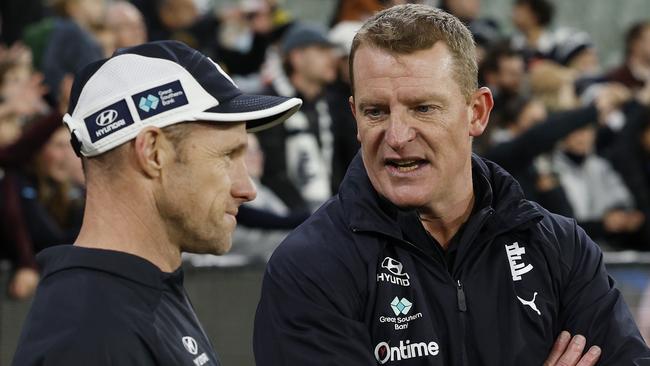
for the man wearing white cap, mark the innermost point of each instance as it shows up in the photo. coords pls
(161, 130)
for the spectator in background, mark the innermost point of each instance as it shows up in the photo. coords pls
(171, 19)
(266, 221)
(503, 70)
(635, 70)
(343, 123)
(51, 208)
(126, 23)
(600, 201)
(575, 50)
(532, 18)
(486, 31)
(64, 43)
(355, 10)
(22, 104)
(302, 148)
(630, 156)
(245, 35)
(553, 84)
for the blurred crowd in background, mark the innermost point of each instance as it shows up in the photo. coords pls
(575, 134)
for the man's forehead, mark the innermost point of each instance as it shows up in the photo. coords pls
(372, 60)
(421, 72)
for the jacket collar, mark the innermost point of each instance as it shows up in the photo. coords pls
(120, 264)
(496, 190)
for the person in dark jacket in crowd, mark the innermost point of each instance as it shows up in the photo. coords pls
(528, 133)
(630, 156)
(430, 255)
(301, 151)
(165, 173)
(601, 202)
(63, 44)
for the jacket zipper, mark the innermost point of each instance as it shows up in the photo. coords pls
(462, 308)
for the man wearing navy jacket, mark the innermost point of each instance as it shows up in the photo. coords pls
(430, 255)
(161, 130)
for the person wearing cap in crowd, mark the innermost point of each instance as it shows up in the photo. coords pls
(302, 149)
(430, 255)
(161, 130)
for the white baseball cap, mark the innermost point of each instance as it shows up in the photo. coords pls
(160, 84)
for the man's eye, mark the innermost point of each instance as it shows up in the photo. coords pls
(424, 108)
(372, 112)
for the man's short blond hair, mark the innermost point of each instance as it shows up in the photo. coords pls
(405, 29)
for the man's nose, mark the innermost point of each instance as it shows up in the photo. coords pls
(399, 131)
(243, 187)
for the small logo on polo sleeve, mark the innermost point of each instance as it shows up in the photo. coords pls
(160, 99)
(190, 345)
(108, 120)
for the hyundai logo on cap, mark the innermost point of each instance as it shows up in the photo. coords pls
(106, 117)
(109, 120)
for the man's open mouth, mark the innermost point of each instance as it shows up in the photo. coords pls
(406, 165)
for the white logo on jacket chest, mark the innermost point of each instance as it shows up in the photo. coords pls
(531, 303)
(517, 265)
(395, 275)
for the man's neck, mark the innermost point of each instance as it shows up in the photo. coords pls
(123, 225)
(444, 219)
(309, 89)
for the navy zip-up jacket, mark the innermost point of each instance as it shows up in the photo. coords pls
(362, 283)
(102, 307)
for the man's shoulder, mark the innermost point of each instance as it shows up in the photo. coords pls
(73, 343)
(82, 296)
(566, 240)
(325, 236)
(80, 312)
(326, 224)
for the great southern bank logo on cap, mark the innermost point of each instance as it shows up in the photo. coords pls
(108, 120)
(160, 99)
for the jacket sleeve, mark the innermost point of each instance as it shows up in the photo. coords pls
(591, 305)
(311, 309)
(541, 138)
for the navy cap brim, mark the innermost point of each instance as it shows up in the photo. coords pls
(258, 111)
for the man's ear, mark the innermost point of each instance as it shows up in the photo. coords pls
(481, 105)
(152, 151)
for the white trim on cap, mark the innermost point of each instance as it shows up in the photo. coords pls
(250, 116)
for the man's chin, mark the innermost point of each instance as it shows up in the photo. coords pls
(212, 247)
(407, 202)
